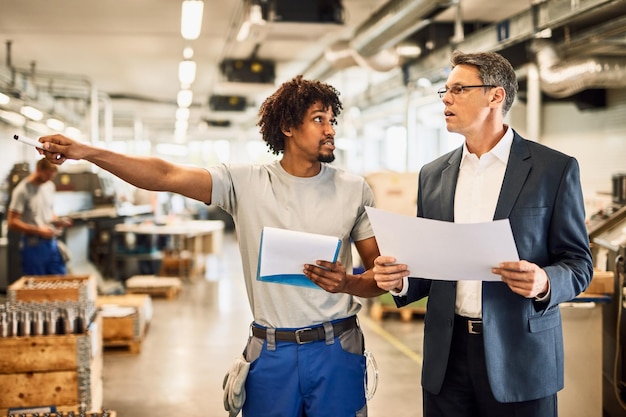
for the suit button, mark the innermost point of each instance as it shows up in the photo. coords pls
(450, 322)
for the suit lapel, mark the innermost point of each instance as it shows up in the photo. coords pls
(517, 171)
(448, 185)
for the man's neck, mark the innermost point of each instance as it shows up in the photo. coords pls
(481, 143)
(300, 168)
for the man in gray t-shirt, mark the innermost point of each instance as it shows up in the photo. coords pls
(306, 351)
(31, 213)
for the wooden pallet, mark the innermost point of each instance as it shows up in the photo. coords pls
(168, 293)
(384, 306)
(130, 346)
(379, 311)
(63, 410)
(168, 287)
(121, 330)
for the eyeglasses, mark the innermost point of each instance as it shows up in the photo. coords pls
(458, 89)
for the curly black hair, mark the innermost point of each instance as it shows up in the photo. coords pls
(287, 106)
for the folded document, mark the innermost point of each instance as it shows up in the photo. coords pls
(284, 253)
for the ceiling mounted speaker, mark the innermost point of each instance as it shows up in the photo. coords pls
(227, 103)
(312, 11)
(248, 70)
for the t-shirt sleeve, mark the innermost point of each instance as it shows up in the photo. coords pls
(362, 227)
(17, 201)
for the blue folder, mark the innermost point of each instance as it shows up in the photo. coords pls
(282, 260)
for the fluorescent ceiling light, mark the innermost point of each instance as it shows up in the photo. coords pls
(182, 113)
(4, 99)
(31, 112)
(188, 52)
(13, 118)
(184, 98)
(186, 72)
(181, 125)
(408, 50)
(55, 124)
(191, 19)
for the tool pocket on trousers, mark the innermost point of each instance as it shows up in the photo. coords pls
(352, 341)
(253, 348)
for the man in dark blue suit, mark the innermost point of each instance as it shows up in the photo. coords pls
(496, 348)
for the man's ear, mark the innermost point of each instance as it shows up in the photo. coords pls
(499, 94)
(286, 132)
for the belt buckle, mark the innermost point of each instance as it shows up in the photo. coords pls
(471, 324)
(298, 333)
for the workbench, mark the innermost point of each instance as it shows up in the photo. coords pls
(189, 239)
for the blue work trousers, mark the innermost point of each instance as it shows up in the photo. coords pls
(316, 379)
(41, 257)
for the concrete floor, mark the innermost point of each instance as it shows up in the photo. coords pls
(192, 340)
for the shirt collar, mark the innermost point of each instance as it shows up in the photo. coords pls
(502, 149)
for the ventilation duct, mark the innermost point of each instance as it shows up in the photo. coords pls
(373, 43)
(342, 55)
(564, 78)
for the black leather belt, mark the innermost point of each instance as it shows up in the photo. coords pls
(473, 326)
(307, 334)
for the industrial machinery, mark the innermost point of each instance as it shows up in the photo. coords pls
(608, 240)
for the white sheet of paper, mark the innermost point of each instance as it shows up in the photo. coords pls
(444, 250)
(284, 252)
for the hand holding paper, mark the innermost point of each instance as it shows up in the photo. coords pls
(444, 250)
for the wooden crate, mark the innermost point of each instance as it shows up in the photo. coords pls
(38, 288)
(125, 330)
(56, 411)
(59, 370)
(167, 287)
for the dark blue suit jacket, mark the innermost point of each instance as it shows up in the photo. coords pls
(542, 198)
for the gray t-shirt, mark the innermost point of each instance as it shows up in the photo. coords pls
(34, 202)
(331, 203)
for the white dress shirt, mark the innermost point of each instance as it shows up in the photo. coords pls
(477, 192)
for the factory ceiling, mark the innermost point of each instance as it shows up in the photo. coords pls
(125, 56)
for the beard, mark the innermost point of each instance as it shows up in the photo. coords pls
(326, 157)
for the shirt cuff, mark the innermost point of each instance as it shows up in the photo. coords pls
(546, 296)
(405, 288)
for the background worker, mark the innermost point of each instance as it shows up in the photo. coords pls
(300, 335)
(495, 349)
(31, 212)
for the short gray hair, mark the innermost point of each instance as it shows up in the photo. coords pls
(493, 69)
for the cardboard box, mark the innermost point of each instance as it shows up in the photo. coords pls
(59, 370)
(39, 288)
(602, 282)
